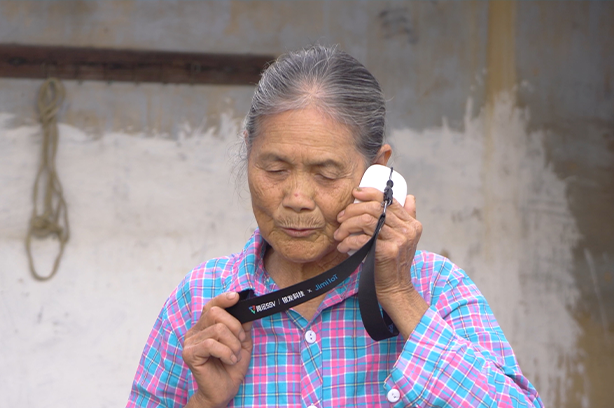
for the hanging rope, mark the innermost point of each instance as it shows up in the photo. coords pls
(53, 220)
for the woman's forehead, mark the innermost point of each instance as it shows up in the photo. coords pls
(304, 131)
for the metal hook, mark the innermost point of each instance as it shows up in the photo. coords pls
(194, 67)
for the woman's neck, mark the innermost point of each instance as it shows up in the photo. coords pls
(287, 273)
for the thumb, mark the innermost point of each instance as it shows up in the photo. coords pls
(226, 300)
(223, 301)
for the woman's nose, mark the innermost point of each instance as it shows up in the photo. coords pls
(299, 194)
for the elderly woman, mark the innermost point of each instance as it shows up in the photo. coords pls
(316, 123)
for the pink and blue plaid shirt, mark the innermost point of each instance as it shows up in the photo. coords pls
(457, 356)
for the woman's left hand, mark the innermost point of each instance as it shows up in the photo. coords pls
(394, 254)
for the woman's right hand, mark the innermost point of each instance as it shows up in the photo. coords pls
(217, 350)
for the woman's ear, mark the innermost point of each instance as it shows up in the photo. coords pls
(383, 155)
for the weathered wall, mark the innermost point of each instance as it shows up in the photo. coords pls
(502, 119)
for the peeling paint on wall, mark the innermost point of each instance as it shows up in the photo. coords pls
(507, 222)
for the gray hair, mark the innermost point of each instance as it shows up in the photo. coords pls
(332, 81)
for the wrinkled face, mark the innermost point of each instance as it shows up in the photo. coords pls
(302, 168)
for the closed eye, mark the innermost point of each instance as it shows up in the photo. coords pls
(326, 177)
(274, 172)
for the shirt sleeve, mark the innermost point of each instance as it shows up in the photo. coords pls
(457, 356)
(162, 377)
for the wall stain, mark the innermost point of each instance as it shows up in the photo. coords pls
(396, 23)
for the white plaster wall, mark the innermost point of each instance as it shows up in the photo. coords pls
(145, 209)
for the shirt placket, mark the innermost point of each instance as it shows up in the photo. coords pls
(311, 366)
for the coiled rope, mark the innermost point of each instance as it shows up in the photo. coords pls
(53, 220)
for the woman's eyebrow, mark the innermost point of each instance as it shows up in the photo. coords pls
(327, 163)
(272, 156)
(321, 163)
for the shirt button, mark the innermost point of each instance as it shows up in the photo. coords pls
(393, 395)
(310, 336)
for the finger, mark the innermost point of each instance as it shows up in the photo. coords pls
(225, 300)
(368, 194)
(215, 312)
(353, 242)
(246, 338)
(199, 353)
(410, 205)
(220, 333)
(370, 207)
(363, 224)
(355, 215)
(373, 206)
(218, 315)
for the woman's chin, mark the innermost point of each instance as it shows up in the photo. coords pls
(302, 251)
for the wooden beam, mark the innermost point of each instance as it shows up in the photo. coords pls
(99, 64)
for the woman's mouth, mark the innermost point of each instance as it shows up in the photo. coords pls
(299, 232)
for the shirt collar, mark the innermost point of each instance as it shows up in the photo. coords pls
(249, 274)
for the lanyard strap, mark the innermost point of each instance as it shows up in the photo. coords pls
(376, 321)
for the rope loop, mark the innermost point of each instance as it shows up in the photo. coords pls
(50, 98)
(53, 220)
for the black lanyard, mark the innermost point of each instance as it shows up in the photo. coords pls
(376, 321)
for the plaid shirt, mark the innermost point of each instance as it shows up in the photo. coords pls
(457, 356)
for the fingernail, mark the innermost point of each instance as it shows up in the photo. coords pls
(341, 214)
(242, 336)
(231, 295)
(233, 358)
(358, 188)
